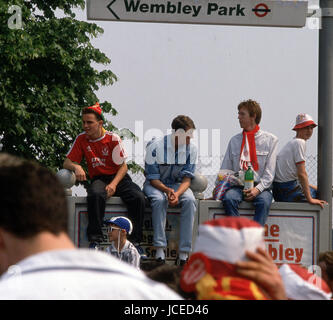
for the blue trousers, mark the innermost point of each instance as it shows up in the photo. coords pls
(159, 205)
(261, 203)
(290, 191)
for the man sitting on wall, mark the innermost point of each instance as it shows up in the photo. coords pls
(105, 157)
(169, 168)
(291, 183)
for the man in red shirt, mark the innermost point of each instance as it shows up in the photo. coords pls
(107, 168)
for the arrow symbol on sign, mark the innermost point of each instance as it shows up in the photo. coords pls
(109, 7)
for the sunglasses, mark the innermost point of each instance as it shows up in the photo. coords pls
(111, 228)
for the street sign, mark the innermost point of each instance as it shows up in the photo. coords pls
(219, 12)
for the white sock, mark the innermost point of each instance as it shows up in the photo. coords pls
(183, 255)
(160, 253)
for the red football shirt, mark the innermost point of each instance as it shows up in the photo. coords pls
(104, 155)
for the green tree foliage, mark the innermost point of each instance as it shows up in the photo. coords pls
(46, 77)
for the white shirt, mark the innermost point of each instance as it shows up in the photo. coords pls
(79, 274)
(290, 155)
(266, 149)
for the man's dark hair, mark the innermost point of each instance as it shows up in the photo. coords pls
(327, 258)
(86, 110)
(170, 276)
(253, 108)
(32, 198)
(182, 122)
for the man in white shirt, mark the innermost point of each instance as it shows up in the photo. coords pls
(258, 148)
(38, 259)
(291, 183)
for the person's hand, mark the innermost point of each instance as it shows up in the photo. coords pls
(317, 201)
(264, 272)
(80, 175)
(170, 194)
(110, 190)
(173, 199)
(250, 194)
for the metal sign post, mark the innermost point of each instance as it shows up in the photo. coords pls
(325, 106)
(225, 12)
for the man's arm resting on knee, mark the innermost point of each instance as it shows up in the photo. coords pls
(76, 168)
(186, 182)
(158, 184)
(112, 186)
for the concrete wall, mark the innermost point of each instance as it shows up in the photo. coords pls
(294, 232)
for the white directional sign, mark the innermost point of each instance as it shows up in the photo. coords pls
(226, 12)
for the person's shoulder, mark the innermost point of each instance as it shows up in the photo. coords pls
(269, 135)
(98, 268)
(154, 142)
(113, 136)
(236, 137)
(299, 142)
(81, 136)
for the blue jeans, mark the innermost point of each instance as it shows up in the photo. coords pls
(159, 204)
(290, 191)
(261, 203)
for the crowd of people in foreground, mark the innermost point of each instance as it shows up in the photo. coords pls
(38, 260)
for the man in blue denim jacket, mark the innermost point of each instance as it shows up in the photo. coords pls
(169, 167)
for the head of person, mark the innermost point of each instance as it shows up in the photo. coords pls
(118, 228)
(211, 270)
(33, 202)
(170, 276)
(325, 262)
(183, 127)
(92, 120)
(249, 114)
(304, 126)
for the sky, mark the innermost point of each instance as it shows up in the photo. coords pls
(204, 71)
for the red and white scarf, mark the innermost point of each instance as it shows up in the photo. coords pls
(248, 153)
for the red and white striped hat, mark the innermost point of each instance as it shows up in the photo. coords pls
(303, 120)
(227, 239)
(219, 244)
(300, 284)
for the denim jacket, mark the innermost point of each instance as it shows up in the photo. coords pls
(163, 163)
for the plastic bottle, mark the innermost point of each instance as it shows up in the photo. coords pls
(249, 178)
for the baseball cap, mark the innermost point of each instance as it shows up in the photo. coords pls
(300, 284)
(303, 120)
(122, 223)
(211, 270)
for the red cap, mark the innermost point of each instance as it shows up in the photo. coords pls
(97, 108)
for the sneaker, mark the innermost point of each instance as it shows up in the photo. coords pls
(142, 254)
(94, 245)
(180, 262)
(160, 261)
